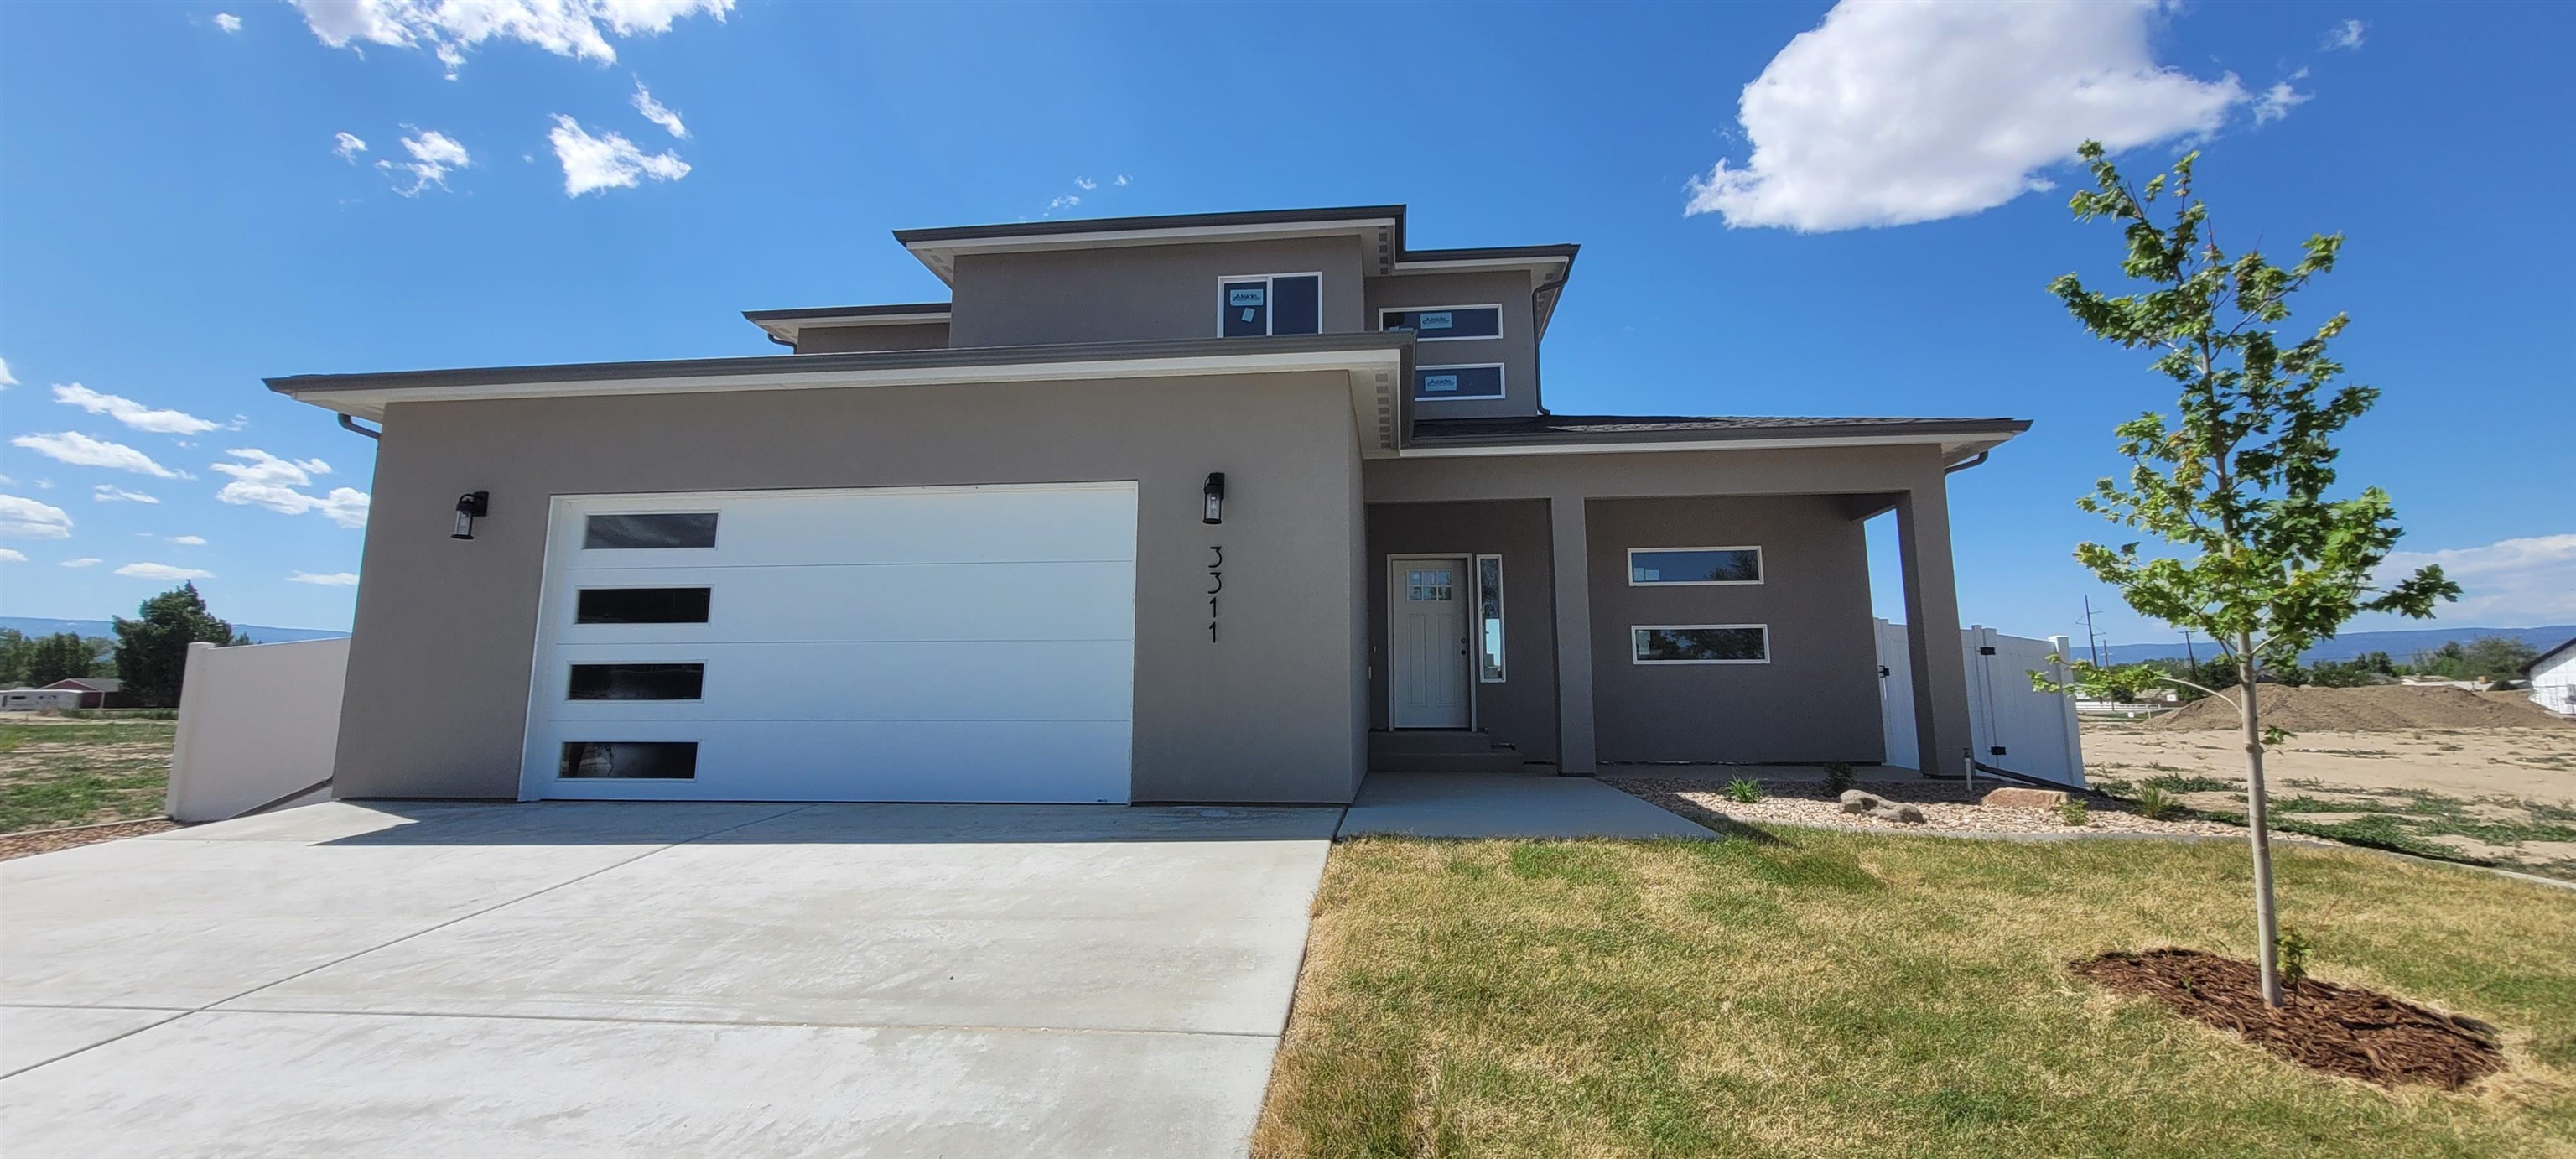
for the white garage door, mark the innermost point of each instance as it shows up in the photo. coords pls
(921, 644)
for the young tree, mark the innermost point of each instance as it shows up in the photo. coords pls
(152, 652)
(2254, 555)
(61, 656)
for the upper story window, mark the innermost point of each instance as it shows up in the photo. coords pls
(1257, 305)
(1440, 323)
(1442, 383)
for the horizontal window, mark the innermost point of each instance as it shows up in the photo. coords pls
(1259, 305)
(1435, 324)
(1438, 382)
(637, 681)
(642, 606)
(630, 760)
(1695, 565)
(1703, 644)
(678, 529)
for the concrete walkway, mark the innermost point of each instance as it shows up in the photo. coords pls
(692, 979)
(1505, 805)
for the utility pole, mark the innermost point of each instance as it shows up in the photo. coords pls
(2091, 641)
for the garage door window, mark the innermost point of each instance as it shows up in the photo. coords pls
(630, 760)
(610, 532)
(637, 681)
(642, 606)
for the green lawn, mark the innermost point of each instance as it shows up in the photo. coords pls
(1823, 993)
(56, 772)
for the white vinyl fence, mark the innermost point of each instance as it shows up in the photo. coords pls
(258, 726)
(2013, 727)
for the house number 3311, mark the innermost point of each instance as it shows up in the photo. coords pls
(1216, 583)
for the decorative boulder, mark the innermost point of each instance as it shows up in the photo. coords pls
(1855, 801)
(1872, 805)
(2026, 798)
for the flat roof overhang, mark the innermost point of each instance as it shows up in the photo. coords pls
(783, 326)
(1376, 365)
(1959, 440)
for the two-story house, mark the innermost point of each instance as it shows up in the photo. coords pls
(1218, 507)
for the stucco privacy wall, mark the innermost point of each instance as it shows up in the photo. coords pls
(439, 668)
(1817, 700)
(1517, 349)
(1136, 293)
(1521, 708)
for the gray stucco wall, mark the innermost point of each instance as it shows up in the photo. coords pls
(1521, 708)
(1136, 293)
(857, 339)
(1517, 349)
(437, 691)
(1817, 700)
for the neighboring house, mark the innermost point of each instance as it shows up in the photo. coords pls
(39, 699)
(2553, 678)
(95, 691)
(1197, 508)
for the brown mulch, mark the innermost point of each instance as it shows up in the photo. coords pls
(2340, 1030)
(49, 840)
(2386, 708)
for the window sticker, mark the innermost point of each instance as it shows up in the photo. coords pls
(1437, 383)
(1245, 297)
(1434, 321)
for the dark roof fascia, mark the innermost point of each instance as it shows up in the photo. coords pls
(1506, 253)
(2544, 657)
(767, 364)
(1609, 431)
(801, 314)
(1171, 221)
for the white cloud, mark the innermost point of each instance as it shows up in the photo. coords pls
(658, 113)
(347, 146)
(84, 561)
(1067, 201)
(1085, 184)
(2345, 35)
(189, 540)
(132, 413)
(337, 579)
(433, 156)
(2277, 101)
(271, 482)
(23, 518)
(163, 571)
(110, 493)
(571, 28)
(2509, 582)
(7, 379)
(1122, 180)
(81, 450)
(11, 555)
(1899, 111)
(228, 22)
(608, 161)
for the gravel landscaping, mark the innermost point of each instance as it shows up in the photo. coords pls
(1948, 806)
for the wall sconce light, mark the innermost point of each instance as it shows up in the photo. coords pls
(470, 506)
(1215, 498)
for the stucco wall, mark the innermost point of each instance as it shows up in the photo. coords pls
(438, 673)
(1517, 349)
(857, 339)
(1817, 700)
(1521, 708)
(1136, 293)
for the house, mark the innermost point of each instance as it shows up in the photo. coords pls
(43, 699)
(2553, 678)
(1215, 507)
(95, 691)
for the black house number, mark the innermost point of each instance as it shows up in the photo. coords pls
(1216, 583)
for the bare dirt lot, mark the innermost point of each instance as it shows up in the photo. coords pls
(2533, 763)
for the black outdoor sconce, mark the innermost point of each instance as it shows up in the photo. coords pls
(470, 506)
(1215, 498)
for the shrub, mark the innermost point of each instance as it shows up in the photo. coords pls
(2292, 948)
(1744, 790)
(2155, 804)
(1837, 778)
(2072, 812)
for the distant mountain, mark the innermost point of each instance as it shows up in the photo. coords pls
(258, 634)
(2398, 645)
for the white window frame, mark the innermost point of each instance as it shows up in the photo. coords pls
(1760, 568)
(1496, 307)
(1501, 664)
(1270, 295)
(1640, 661)
(1502, 373)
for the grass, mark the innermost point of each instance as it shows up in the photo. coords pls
(1824, 993)
(55, 773)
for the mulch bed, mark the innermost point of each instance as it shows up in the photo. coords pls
(2336, 1029)
(49, 840)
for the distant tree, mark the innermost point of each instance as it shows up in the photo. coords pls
(2496, 657)
(2254, 555)
(102, 651)
(61, 656)
(14, 646)
(152, 651)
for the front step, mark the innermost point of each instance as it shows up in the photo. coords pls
(1440, 751)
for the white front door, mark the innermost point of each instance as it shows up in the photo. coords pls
(1426, 621)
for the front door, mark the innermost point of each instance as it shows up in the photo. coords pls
(1426, 624)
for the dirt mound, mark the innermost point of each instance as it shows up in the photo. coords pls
(2386, 708)
(2339, 1030)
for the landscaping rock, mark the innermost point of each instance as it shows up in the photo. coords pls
(1855, 801)
(2026, 798)
(1872, 805)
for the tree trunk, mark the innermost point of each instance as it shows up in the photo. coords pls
(2267, 925)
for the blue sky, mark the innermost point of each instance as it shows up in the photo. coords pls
(178, 219)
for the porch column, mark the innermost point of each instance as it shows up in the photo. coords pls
(1932, 644)
(1574, 748)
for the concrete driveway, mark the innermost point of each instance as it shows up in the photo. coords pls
(686, 979)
